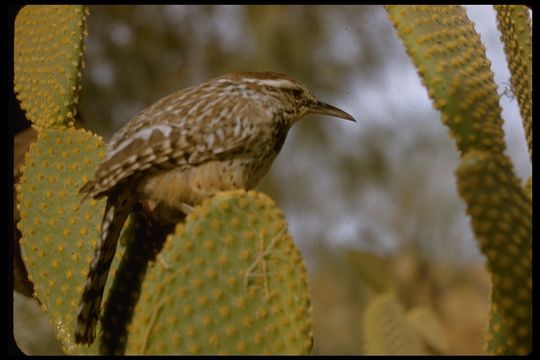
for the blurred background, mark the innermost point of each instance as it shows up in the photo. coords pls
(372, 205)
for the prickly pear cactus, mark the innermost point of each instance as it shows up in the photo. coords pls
(48, 61)
(228, 281)
(492, 194)
(452, 63)
(429, 327)
(386, 329)
(515, 27)
(528, 188)
(58, 232)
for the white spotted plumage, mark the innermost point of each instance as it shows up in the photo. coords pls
(220, 135)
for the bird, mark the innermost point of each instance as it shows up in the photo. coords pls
(220, 135)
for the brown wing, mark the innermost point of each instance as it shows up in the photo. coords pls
(181, 130)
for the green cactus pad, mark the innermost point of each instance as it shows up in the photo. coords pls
(58, 232)
(228, 281)
(528, 188)
(387, 330)
(501, 217)
(514, 25)
(498, 332)
(428, 325)
(452, 63)
(48, 62)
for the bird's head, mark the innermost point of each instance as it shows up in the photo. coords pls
(291, 93)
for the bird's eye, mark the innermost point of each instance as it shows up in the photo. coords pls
(297, 93)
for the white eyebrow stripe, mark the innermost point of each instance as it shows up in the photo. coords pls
(278, 83)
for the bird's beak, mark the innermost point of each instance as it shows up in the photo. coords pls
(325, 109)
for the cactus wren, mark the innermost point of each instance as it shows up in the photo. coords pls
(220, 135)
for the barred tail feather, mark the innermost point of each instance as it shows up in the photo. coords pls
(119, 205)
(87, 190)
